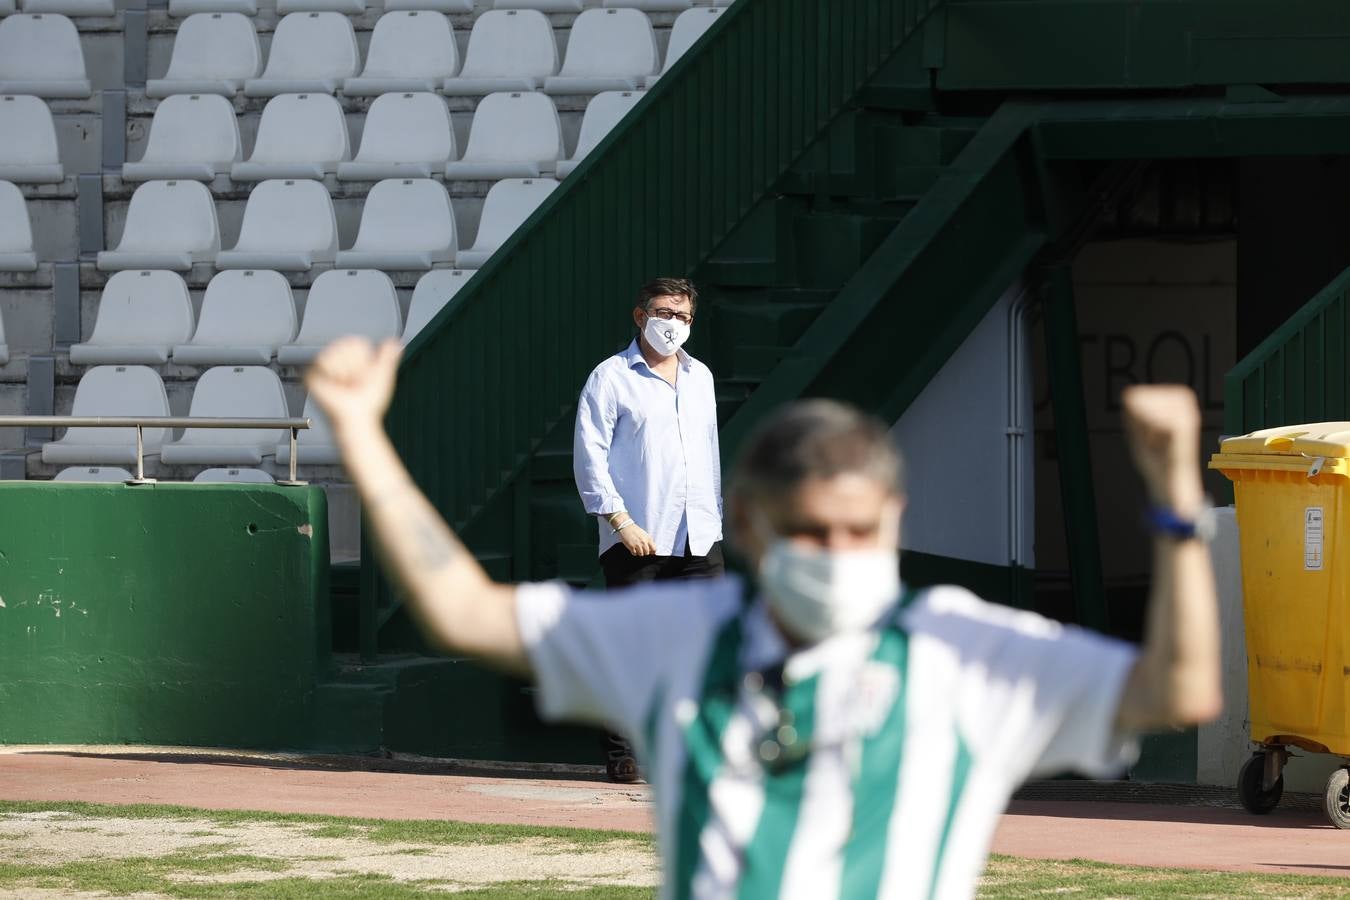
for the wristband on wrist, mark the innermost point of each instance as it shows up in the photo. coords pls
(623, 526)
(1165, 522)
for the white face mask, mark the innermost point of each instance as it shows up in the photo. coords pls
(819, 593)
(665, 335)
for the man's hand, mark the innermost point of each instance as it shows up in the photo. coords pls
(1163, 426)
(637, 541)
(352, 380)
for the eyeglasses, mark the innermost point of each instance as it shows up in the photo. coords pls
(665, 312)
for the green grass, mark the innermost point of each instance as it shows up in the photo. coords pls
(1009, 877)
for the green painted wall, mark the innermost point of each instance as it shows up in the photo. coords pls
(168, 613)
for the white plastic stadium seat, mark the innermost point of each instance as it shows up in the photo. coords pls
(314, 446)
(41, 55)
(508, 204)
(445, 6)
(650, 5)
(608, 50)
(250, 392)
(213, 53)
(71, 7)
(433, 291)
(602, 114)
(407, 223)
(170, 225)
(688, 28)
(299, 136)
(16, 232)
(405, 136)
(246, 316)
(141, 315)
(28, 150)
(112, 391)
(93, 474)
(312, 51)
(193, 7)
(346, 7)
(514, 135)
(561, 6)
(288, 225)
(233, 476)
(7, 7)
(344, 302)
(509, 50)
(192, 136)
(409, 51)
(4, 347)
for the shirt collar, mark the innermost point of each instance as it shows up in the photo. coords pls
(634, 356)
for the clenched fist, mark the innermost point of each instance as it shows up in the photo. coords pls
(1163, 425)
(352, 380)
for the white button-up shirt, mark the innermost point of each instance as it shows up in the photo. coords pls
(649, 447)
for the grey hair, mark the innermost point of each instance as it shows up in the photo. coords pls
(816, 439)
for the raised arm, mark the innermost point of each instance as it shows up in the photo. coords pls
(1176, 680)
(449, 594)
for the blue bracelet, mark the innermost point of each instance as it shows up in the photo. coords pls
(1166, 522)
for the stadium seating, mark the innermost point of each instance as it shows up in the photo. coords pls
(41, 55)
(170, 225)
(508, 203)
(409, 51)
(141, 315)
(93, 474)
(608, 50)
(194, 7)
(192, 136)
(230, 392)
(16, 232)
(433, 291)
(112, 391)
(4, 346)
(299, 136)
(311, 52)
(514, 135)
(344, 302)
(509, 50)
(213, 53)
(602, 114)
(346, 7)
(444, 6)
(405, 136)
(288, 225)
(651, 5)
(7, 7)
(233, 476)
(407, 223)
(688, 28)
(71, 7)
(246, 315)
(28, 150)
(314, 446)
(548, 6)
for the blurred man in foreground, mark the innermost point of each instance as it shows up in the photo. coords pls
(826, 732)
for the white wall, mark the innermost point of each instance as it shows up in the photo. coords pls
(967, 446)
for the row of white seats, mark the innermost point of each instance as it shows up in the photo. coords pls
(251, 392)
(355, 7)
(513, 135)
(248, 317)
(509, 50)
(406, 225)
(116, 474)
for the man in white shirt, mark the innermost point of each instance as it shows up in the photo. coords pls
(646, 460)
(826, 733)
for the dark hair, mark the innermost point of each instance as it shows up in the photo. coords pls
(815, 439)
(667, 287)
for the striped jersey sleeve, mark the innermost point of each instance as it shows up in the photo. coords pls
(600, 658)
(1040, 696)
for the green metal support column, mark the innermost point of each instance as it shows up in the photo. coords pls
(1075, 456)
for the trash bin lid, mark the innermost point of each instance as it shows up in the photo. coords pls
(1324, 439)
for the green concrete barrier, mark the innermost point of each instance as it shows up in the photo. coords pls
(168, 613)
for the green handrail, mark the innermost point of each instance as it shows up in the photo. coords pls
(1299, 373)
(484, 382)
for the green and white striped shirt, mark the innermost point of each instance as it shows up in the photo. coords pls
(868, 765)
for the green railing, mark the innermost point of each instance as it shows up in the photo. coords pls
(486, 380)
(1299, 373)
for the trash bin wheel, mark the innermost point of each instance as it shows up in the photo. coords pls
(1253, 798)
(1336, 801)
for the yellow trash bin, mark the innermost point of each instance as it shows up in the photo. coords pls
(1292, 486)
